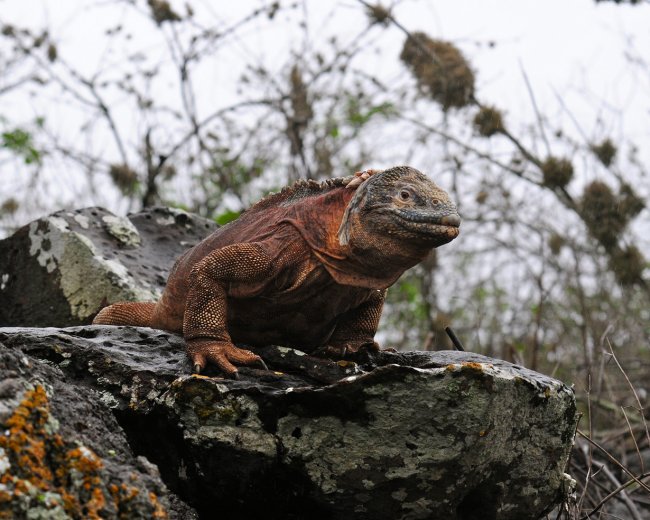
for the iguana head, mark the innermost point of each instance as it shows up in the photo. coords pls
(399, 208)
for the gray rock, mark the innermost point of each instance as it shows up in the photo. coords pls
(449, 435)
(63, 454)
(62, 269)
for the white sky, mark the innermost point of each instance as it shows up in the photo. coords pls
(577, 50)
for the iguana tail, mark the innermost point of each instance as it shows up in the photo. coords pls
(138, 314)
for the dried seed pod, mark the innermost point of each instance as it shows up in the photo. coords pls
(555, 243)
(125, 178)
(599, 210)
(9, 206)
(161, 11)
(629, 203)
(378, 14)
(628, 265)
(488, 121)
(440, 70)
(605, 151)
(557, 172)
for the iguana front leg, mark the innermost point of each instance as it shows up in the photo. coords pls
(204, 321)
(356, 328)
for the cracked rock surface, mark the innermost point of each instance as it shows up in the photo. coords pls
(449, 435)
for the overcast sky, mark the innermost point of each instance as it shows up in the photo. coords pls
(577, 53)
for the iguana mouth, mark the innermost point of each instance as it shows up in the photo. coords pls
(427, 225)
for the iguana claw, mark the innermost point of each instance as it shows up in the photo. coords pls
(223, 354)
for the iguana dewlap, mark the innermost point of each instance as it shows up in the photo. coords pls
(305, 268)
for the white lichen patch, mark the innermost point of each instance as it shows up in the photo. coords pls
(165, 221)
(86, 278)
(3, 281)
(82, 220)
(108, 399)
(286, 350)
(122, 229)
(4, 462)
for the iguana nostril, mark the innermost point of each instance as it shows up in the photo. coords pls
(451, 220)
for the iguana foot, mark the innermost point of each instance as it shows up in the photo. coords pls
(359, 177)
(220, 353)
(347, 349)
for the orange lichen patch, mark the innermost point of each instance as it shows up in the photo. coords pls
(84, 460)
(158, 510)
(87, 465)
(472, 365)
(96, 503)
(25, 442)
(40, 460)
(199, 376)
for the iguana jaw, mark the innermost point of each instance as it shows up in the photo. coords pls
(434, 228)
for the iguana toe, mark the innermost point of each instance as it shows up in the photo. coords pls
(347, 349)
(223, 354)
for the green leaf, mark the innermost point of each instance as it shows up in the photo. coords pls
(20, 142)
(227, 216)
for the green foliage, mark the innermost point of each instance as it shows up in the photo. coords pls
(411, 293)
(226, 217)
(20, 142)
(359, 115)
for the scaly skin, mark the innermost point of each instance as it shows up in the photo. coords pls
(307, 267)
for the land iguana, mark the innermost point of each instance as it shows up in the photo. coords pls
(307, 267)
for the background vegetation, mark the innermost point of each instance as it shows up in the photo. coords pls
(550, 270)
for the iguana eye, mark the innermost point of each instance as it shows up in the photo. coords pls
(435, 202)
(404, 195)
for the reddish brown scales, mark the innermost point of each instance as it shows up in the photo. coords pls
(283, 274)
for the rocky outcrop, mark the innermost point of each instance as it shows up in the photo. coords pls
(413, 435)
(62, 269)
(62, 451)
(108, 422)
